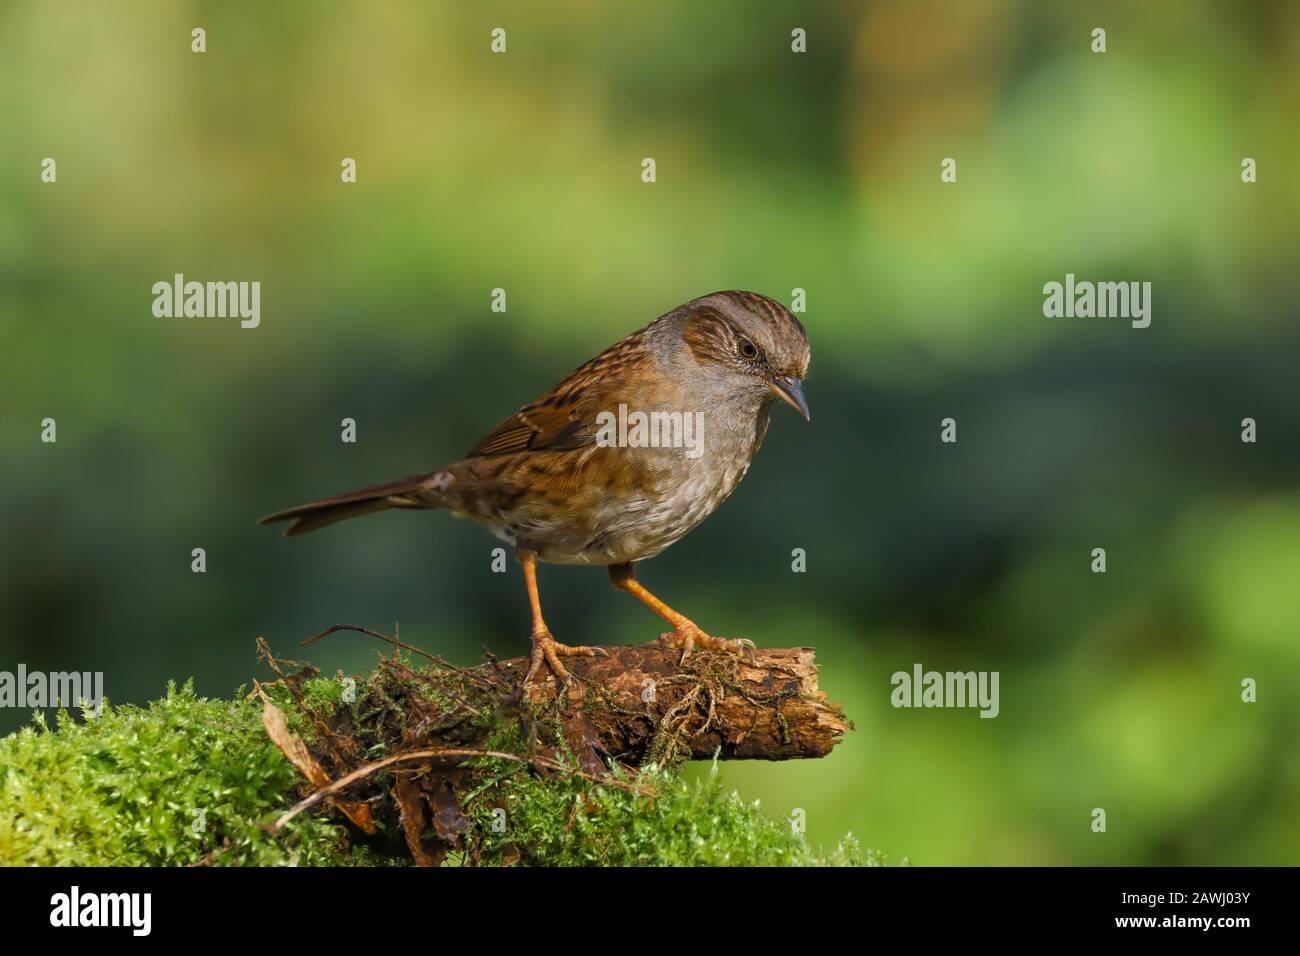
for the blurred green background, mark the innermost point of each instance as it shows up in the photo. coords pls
(776, 170)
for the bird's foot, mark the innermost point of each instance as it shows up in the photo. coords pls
(547, 650)
(688, 636)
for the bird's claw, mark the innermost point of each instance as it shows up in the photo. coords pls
(688, 636)
(547, 650)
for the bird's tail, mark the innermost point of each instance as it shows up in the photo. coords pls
(405, 493)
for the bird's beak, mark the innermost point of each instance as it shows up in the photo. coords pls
(790, 390)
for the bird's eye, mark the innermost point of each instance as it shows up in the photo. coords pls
(748, 349)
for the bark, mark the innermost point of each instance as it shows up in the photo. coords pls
(766, 709)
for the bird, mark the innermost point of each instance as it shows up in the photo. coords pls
(625, 456)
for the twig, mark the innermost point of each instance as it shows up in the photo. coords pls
(429, 754)
(396, 642)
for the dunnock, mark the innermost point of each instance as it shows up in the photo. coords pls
(621, 459)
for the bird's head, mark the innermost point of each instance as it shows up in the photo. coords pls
(753, 342)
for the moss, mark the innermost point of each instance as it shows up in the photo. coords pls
(571, 822)
(189, 780)
(167, 784)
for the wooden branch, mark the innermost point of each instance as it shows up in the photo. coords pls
(634, 706)
(766, 709)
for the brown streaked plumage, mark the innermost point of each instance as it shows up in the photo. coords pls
(548, 481)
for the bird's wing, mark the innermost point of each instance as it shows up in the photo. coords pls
(565, 416)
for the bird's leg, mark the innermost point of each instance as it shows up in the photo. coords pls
(545, 647)
(686, 633)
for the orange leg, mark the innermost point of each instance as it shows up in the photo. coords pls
(545, 647)
(685, 633)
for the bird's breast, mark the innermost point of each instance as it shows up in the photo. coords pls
(611, 505)
(678, 491)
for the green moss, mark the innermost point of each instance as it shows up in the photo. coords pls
(188, 780)
(167, 784)
(567, 821)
